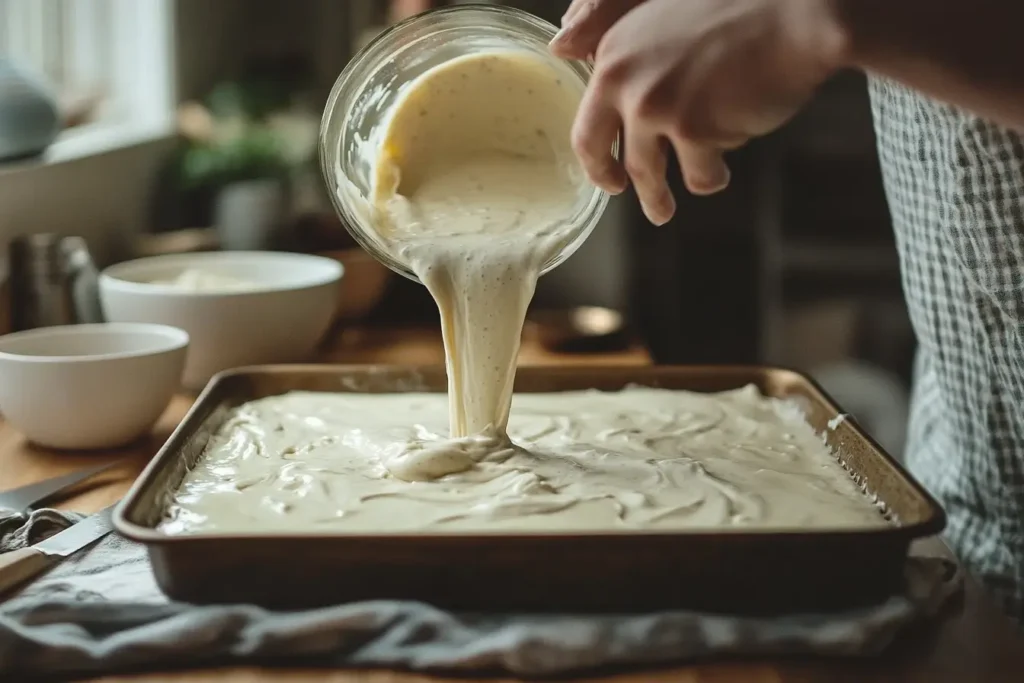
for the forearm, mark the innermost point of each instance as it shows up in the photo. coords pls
(967, 52)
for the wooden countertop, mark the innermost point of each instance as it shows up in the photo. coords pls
(972, 643)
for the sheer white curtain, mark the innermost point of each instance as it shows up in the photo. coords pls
(69, 41)
(109, 56)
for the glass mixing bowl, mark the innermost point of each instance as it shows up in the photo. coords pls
(376, 77)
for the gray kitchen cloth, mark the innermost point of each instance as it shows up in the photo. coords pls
(101, 612)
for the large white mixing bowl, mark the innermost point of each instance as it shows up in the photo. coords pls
(280, 316)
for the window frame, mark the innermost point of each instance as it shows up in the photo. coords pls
(141, 40)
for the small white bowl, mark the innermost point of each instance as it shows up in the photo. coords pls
(279, 317)
(87, 387)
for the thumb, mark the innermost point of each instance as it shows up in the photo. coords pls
(585, 24)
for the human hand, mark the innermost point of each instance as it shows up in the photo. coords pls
(701, 77)
(399, 10)
(585, 23)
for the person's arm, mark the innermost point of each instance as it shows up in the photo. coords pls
(700, 77)
(966, 52)
(399, 10)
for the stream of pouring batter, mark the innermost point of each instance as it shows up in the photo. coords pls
(473, 187)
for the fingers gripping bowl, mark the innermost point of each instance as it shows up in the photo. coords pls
(239, 308)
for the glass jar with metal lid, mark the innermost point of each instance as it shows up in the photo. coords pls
(375, 79)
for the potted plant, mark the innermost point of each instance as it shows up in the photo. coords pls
(250, 144)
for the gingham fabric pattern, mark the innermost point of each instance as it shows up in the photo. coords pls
(955, 185)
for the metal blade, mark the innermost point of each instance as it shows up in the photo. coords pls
(79, 535)
(25, 497)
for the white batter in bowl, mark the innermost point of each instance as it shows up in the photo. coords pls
(365, 94)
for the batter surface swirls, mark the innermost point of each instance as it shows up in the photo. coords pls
(636, 459)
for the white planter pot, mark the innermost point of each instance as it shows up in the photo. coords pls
(250, 215)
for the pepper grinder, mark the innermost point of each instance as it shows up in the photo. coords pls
(53, 281)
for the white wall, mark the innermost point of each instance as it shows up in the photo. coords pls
(101, 198)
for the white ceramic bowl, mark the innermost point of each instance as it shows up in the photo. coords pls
(89, 386)
(279, 317)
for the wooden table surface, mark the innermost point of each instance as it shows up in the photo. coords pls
(971, 643)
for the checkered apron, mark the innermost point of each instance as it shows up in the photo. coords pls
(955, 185)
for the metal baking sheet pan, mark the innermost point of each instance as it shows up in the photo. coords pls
(744, 571)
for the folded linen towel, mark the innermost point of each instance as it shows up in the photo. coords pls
(101, 612)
